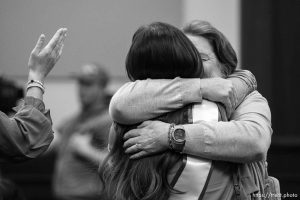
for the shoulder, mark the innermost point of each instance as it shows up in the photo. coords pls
(254, 97)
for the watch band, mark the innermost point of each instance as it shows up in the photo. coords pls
(176, 144)
(171, 129)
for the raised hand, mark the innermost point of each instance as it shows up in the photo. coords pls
(42, 59)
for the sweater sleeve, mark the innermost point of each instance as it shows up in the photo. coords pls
(244, 82)
(138, 101)
(27, 134)
(141, 100)
(246, 138)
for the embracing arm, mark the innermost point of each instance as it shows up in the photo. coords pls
(142, 100)
(145, 99)
(246, 138)
(248, 84)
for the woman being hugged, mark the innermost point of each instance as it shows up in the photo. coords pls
(158, 51)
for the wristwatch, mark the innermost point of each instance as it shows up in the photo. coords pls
(177, 138)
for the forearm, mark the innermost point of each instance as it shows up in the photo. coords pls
(244, 139)
(141, 100)
(233, 141)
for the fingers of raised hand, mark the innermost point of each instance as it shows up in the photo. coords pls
(54, 48)
(56, 38)
(39, 45)
(60, 43)
(57, 51)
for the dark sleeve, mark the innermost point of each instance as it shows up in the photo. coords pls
(27, 134)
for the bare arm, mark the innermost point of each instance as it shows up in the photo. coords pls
(142, 100)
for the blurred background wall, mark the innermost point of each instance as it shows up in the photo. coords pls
(265, 35)
(97, 31)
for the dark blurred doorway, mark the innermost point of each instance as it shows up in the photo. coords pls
(271, 50)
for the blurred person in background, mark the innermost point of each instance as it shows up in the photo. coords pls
(27, 133)
(81, 142)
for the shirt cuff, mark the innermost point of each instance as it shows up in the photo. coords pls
(36, 103)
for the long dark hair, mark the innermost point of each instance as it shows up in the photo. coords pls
(142, 179)
(158, 50)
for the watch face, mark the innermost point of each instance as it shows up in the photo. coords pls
(179, 135)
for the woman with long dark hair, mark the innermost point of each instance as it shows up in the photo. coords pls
(158, 51)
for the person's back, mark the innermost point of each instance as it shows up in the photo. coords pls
(75, 175)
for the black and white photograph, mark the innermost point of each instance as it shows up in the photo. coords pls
(149, 99)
